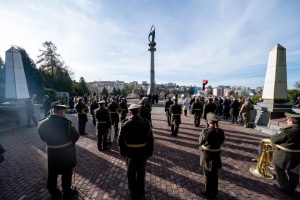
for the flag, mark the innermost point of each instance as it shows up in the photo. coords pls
(195, 90)
(204, 82)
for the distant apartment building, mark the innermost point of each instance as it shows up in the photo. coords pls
(218, 92)
(135, 83)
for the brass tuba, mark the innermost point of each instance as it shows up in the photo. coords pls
(119, 110)
(264, 160)
(85, 109)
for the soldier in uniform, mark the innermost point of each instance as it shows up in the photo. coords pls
(136, 145)
(287, 154)
(29, 109)
(197, 108)
(210, 141)
(82, 115)
(209, 107)
(145, 112)
(168, 103)
(93, 107)
(103, 125)
(112, 108)
(60, 135)
(123, 105)
(175, 111)
(245, 112)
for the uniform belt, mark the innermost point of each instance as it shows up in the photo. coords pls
(286, 149)
(136, 145)
(112, 112)
(176, 114)
(59, 146)
(209, 149)
(101, 122)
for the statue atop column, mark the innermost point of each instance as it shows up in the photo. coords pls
(152, 33)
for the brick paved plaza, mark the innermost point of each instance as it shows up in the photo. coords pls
(173, 172)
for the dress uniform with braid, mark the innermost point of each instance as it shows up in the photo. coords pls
(60, 135)
(136, 145)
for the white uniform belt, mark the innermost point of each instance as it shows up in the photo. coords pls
(286, 149)
(209, 149)
(59, 146)
(136, 145)
(101, 122)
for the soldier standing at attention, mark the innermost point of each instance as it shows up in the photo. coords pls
(145, 111)
(112, 108)
(136, 145)
(93, 107)
(175, 111)
(29, 109)
(210, 141)
(197, 108)
(168, 103)
(103, 125)
(245, 112)
(123, 105)
(82, 111)
(287, 154)
(209, 107)
(60, 135)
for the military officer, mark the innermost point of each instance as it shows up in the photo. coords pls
(210, 141)
(168, 103)
(103, 125)
(245, 112)
(60, 135)
(209, 107)
(197, 108)
(112, 108)
(93, 107)
(82, 111)
(123, 105)
(145, 111)
(136, 145)
(286, 157)
(175, 111)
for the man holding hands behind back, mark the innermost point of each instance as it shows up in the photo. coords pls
(286, 157)
(136, 145)
(60, 135)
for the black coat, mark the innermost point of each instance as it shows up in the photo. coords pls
(212, 138)
(289, 138)
(102, 115)
(175, 110)
(56, 130)
(81, 116)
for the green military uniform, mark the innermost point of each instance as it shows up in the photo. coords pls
(136, 145)
(245, 112)
(93, 107)
(287, 156)
(197, 108)
(103, 125)
(60, 135)
(112, 108)
(82, 116)
(209, 107)
(175, 111)
(168, 103)
(123, 105)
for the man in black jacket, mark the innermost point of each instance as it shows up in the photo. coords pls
(197, 108)
(136, 145)
(82, 111)
(287, 154)
(168, 103)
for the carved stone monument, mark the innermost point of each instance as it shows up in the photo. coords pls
(152, 49)
(275, 88)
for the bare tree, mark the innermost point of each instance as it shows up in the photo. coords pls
(297, 84)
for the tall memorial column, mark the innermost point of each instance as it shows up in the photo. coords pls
(275, 88)
(152, 49)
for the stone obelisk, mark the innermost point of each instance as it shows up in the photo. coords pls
(152, 49)
(15, 81)
(275, 88)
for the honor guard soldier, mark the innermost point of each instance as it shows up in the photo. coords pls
(103, 125)
(112, 108)
(210, 141)
(286, 157)
(245, 112)
(93, 107)
(82, 111)
(136, 145)
(197, 109)
(60, 135)
(168, 103)
(145, 112)
(123, 105)
(209, 107)
(175, 111)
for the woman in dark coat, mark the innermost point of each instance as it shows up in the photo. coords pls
(210, 141)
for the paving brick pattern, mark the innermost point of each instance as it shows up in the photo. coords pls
(173, 172)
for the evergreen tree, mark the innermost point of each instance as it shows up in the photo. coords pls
(297, 84)
(119, 91)
(191, 90)
(114, 92)
(104, 92)
(82, 84)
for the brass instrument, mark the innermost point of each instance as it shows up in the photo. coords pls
(85, 109)
(119, 110)
(264, 160)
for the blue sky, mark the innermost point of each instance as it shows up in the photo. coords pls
(225, 41)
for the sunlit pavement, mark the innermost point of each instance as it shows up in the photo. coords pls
(173, 172)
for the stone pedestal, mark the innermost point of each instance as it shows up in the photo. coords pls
(151, 88)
